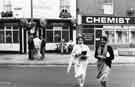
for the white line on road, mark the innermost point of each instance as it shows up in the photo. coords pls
(93, 65)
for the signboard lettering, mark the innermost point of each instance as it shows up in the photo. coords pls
(107, 20)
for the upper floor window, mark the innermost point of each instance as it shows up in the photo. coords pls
(108, 7)
(65, 4)
(7, 5)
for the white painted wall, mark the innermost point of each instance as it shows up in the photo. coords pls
(41, 8)
(24, 11)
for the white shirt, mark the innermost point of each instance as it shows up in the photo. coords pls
(37, 42)
(77, 49)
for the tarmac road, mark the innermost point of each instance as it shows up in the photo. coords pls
(56, 76)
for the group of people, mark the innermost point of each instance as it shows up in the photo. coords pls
(80, 56)
(36, 47)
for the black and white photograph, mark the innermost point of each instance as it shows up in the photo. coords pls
(67, 43)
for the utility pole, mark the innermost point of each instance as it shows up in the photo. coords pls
(31, 9)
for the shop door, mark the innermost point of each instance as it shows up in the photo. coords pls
(98, 34)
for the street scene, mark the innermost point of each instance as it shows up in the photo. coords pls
(67, 43)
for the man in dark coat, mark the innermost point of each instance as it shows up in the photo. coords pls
(31, 47)
(42, 51)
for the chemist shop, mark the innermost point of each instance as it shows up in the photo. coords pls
(119, 30)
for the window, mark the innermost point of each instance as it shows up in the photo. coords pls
(9, 34)
(1, 36)
(49, 36)
(65, 4)
(57, 36)
(108, 7)
(58, 33)
(65, 35)
(132, 36)
(122, 37)
(111, 36)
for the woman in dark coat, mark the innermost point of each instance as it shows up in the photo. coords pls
(104, 55)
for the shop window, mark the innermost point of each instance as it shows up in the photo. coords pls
(125, 36)
(132, 36)
(15, 38)
(65, 35)
(8, 27)
(1, 36)
(122, 37)
(111, 36)
(1, 27)
(49, 36)
(119, 36)
(9, 34)
(15, 27)
(8, 37)
(57, 36)
(57, 33)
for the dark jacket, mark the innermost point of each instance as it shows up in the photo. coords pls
(43, 42)
(108, 60)
(31, 44)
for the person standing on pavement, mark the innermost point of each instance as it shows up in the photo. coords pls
(104, 55)
(80, 57)
(37, 45)
(31, 47)
(42, 50)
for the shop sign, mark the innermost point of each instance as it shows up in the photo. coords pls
(107, 20)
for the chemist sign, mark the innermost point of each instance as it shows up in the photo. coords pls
(107, 20)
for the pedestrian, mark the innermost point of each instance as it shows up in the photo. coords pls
(37, 45)
(42, 50)
(31, 47)
(80, 57)
(104, 55)
(63, 46)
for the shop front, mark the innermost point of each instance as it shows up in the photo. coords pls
(119, 30)
(56, 31)
(11, 36)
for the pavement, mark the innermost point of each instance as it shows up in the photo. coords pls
(55, 58)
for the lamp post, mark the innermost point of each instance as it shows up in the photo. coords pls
(31, 4)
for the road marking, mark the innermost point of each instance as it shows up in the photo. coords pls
(93, 65)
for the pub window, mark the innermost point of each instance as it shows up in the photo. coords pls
(8, 37)
(49, 35)
(9, 34)
(65, 35)
(15, 36)
(1, 36)
(57, 36)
